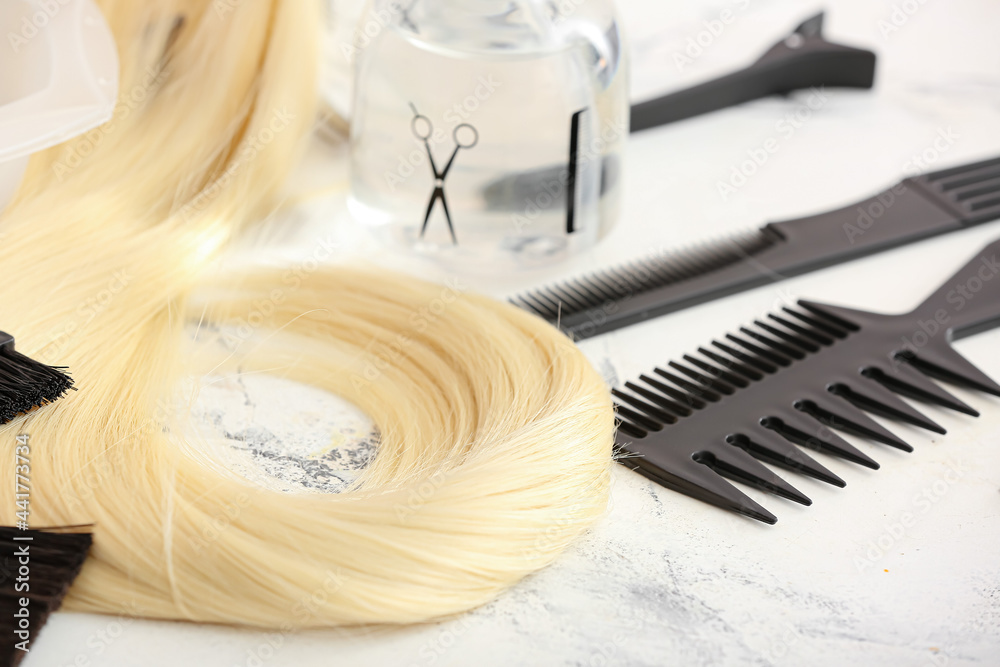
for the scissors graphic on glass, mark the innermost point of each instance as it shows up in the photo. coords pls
(422, 130)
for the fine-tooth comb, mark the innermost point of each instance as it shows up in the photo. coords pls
(792, 380)
(914, 209)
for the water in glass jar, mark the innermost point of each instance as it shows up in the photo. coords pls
(491, 159)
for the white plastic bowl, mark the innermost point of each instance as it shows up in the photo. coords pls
(58, 79)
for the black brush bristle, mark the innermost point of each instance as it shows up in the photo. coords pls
(26, 384)
(51, 559)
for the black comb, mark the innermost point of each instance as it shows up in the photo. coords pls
(914, 209)
(794, 379)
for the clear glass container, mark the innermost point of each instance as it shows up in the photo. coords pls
(488, 133)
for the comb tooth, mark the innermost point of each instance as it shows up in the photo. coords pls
(657, 273)
(878, 400)
(770, 447)
(595, 297)
(640, 420)
(552, 296)
(535, 305)
(785, 350)
(733, 365)
(948, 365)
(969, 177)
(681, 397)
(986, 187)
(858, 424)
(564, 296)
(806, 345)
(651, 410)
(984, 202)
(736, 464)
(748, 359)
(543, 299)
(603, 283)
(578, 295)
(659, 400)
(588, 289)
(645, 272)
(573, 296)
(802, 331)
(903, 379)
(820, 325)
(842, 317)
(702, 483)
(717, 373)
(631, 430)
(800, 431)
(690, 387)
(759, 351)
(716, 385)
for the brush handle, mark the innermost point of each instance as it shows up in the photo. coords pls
(5, 340)
(969, 301)
(797, 62)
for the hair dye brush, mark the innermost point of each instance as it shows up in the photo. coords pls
(38, 568)
(793, 380)
(26, 384)
(914, 209)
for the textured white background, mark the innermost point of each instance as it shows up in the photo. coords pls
(664, 579)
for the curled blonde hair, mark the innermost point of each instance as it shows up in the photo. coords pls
(496, 433)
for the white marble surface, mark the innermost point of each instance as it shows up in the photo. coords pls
(664, 579)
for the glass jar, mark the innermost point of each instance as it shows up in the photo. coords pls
(488, 134)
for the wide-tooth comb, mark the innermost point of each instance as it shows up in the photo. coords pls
(914, 209)
(796, 378)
